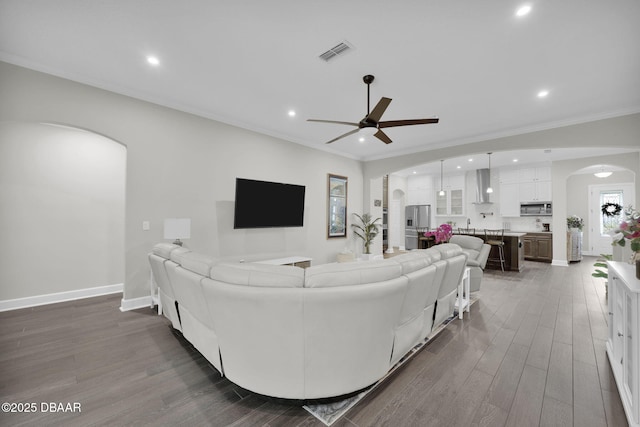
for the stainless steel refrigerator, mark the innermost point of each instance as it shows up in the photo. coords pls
(417, 219)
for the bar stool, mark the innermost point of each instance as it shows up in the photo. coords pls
(466, 231)
(495, 238)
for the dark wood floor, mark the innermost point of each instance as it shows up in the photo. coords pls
(532, 353)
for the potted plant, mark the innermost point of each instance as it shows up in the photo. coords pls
(575, 222)
(602, 263)
(629, 229)
(367, 230)
(442, 234)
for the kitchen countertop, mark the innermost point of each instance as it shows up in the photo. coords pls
(536, 232)
(506, 233)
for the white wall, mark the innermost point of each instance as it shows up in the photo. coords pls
(62, 194)
(181, 165)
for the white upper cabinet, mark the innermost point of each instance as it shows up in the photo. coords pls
(523, 185)
(452, 202)
(535, 174)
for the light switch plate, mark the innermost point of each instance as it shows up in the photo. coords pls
(145, 225)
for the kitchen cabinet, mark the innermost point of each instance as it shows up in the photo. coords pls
(535, 191)
(535, 184)
(523, 185)
(623, 345)
(538, 247)
(542, 173)
(452, 202)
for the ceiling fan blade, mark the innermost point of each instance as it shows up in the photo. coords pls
(333, 121)
(393, 123)
(378, 110)
(382, 137)
(343, 135)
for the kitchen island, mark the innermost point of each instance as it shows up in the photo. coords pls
(513, 250)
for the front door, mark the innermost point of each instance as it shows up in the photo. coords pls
(600, 225)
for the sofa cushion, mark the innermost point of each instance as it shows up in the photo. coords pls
(259, 275)
(469, 242)
(412, 261)
(353, 273)
(433, 253)
(448, 250)
(198, 263)
(164, 249)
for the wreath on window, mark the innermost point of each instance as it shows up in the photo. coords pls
(611, 209)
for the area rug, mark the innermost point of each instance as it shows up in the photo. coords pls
(331, 412)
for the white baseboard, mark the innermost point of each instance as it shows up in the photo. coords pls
(560, 263)
(135, 303)
(18, 303)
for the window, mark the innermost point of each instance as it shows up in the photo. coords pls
(610, 223)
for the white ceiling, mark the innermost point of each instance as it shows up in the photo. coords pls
(473, 64)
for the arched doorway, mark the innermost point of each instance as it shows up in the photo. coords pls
(62, 192)
(586, 193)
(396, 219)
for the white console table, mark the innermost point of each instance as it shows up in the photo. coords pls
(464, 297)
(296, 261)
(623, 345)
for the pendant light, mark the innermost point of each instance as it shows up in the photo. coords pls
(489, 188)
(441, 193)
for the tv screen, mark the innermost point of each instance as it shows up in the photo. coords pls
(262, 204)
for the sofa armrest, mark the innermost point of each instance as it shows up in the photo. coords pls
(484, 255)
(473, 263)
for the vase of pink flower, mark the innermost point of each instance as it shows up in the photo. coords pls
(629, 230)
(442, 234)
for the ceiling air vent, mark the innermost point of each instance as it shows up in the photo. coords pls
(338, 49)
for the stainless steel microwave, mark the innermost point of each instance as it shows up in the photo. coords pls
(536, 209)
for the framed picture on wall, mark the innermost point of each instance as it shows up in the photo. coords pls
(336, 206)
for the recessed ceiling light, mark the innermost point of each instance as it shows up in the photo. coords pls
(291, 113)
(153, 60)
(361, 139)
(414, 172)
(523, 10)
(458, 167)
(471, 160)
(515, 160)
(543, 93)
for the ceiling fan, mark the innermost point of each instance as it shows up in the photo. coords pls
(371, 122)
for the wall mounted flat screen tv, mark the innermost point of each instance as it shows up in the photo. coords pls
(263, 204)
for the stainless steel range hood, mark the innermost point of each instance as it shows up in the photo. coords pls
(482, 183)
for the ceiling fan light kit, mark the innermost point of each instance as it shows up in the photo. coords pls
(371, 124)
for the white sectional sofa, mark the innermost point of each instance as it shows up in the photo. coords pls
(477, 252)
(319, 332)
